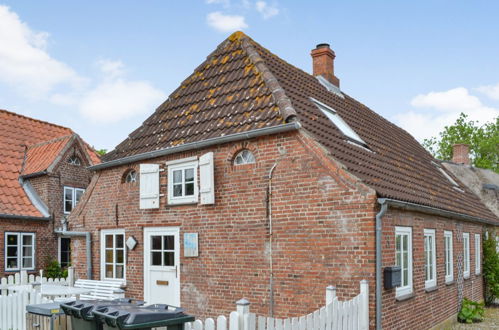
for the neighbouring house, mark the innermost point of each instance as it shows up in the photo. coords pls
(43, 175)
(257, 179)
(483, 182)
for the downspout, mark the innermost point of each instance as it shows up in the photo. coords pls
(88, 238)
(269, 213)
(379, 227)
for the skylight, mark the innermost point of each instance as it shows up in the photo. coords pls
(339, 122)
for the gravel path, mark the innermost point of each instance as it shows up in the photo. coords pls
(491, 321)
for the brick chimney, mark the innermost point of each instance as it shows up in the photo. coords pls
(323, 63)
(461, 153)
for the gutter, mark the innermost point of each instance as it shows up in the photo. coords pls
(88, 238)
(385, 202)
(198, 145)
(32, 175)
(24, 217)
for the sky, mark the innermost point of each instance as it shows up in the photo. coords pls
(102, 67)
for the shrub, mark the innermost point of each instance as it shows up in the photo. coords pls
(471, 311)
(490, 269)
(54, 270)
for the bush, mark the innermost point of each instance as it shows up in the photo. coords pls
(54, 270)
(490, 269)
(471, 311)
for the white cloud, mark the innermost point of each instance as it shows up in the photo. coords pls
(226, 23)
(226, 3)
(491, 91)
(117, 98)
(24, 61)
(436, 110)
(266, 10)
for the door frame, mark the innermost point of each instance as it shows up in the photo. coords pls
(160, 230)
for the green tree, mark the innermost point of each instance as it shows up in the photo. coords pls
(101, 152)
(483, 141)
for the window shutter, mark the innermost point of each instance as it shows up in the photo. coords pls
(206, 179)
(149, 186)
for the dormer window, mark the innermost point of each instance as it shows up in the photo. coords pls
(244, 157)
(333, 116)
(74, 160)
(130, 176)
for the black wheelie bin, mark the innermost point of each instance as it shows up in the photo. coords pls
(142, 317)
(81, 315)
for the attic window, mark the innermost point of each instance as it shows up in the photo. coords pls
(339, 122)
(130, 176)
(74, 160)
(244, 157)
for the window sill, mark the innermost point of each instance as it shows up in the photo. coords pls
(449, 282)
(404, 297)
(467, 277)
(431, 289)
(180, 203)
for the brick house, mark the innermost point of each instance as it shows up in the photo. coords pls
(256, 179)
(43, 175)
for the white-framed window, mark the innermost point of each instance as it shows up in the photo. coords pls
(183, 183)
(449, 257)
(74, 160)
(430, 259)
(71, 197)
(130, 177)
(466, 255)
(113, 258)
(65, 251)
(244, 157)
(478, 255)
(403, 258)
(19, 251)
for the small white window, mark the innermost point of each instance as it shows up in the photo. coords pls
(19, 251)
(65, 251)
(466, 255)
(244, 157)
(183, 183)
(339, 122)
(113, 264)
(71, 198)
(430, 260)
(449, 261)
(403, 258)
(74, 160)
(478, 254)
(131, 176)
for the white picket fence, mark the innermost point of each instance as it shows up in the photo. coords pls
(13, 308)
(24, 279)
(345, 315)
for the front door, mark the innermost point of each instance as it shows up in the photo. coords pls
(161, 266)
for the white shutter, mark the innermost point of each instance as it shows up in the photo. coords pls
(206, 179)
(149, 186)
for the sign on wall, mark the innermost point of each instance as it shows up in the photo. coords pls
(191, 245)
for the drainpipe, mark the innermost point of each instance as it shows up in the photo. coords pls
(88, 238)
(269, 212)
(379, 227)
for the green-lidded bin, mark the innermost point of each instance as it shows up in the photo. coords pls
(81, 314)
(142, 317)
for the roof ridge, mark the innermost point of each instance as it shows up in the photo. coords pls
(34, 119)
(283, 102)
(39, 144)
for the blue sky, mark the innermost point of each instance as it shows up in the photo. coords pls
(101, 67)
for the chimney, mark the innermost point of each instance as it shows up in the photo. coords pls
(461, 153)
(323, 63)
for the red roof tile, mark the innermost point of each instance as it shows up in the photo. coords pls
(242, 86)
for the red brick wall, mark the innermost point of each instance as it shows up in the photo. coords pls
(50, 188)
(427, 309)
(323, 220)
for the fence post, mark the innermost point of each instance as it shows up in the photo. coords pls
(71, 276)
(364, 315)
(24, 277)
(243, 306)
(330, 294)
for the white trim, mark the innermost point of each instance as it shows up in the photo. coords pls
(466, 255)
(20, 247)
(180, 161)
(478, 254)
(407, 289)
(183, 199)
(430, 260)
(448, 235)
(113, 232)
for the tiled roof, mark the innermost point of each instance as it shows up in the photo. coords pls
(20, 136)
(234, 90)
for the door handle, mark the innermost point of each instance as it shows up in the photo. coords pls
(175, 271)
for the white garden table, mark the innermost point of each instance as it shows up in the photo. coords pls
(52, 291)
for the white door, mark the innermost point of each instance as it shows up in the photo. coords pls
(162, 265)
